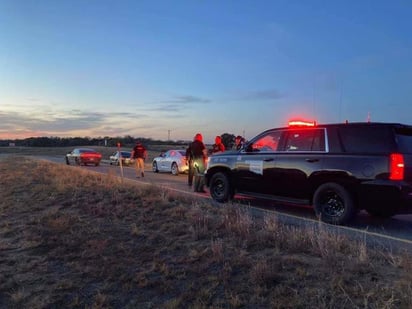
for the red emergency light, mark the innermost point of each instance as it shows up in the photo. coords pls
(301, 123)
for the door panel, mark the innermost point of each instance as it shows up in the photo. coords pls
(302, 155)
(256, 163)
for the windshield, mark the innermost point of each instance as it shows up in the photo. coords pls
(85, 150)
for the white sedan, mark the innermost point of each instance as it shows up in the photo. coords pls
(125, 155)
(172, 161)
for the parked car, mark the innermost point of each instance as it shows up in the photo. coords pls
(125, 155)
(172, 161)
(83, 156)
(337, 168)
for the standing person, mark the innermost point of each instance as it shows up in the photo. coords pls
(198, 153)
(189, 159)
(218, 145)
(139, 154)
(239, 140)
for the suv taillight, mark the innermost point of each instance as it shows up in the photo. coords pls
(397, 166)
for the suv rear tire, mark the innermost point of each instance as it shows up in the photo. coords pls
(220, 188)
(333, 203)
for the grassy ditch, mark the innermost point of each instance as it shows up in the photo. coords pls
(74, 239)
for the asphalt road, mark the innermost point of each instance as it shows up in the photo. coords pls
(396, 230)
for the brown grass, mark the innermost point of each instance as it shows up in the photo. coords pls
(74, 239)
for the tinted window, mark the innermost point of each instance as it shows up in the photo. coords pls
(404, 139)
(305, 140)
(266, 143)
(367, 139)
(83, 150)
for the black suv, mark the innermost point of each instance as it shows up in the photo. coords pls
(337, 168)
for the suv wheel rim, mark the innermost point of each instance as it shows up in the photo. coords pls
(219, 189)
(332, 204)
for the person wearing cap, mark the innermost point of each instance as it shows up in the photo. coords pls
(198, 154)
(139, 154)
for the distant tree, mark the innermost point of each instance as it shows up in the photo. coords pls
(228, 140)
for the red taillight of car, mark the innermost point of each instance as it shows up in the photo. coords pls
(397, 166)
(91, 155)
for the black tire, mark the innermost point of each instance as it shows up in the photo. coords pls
(154, 167)
(67, 161)
(333, 203)
(220, 188)
(175, 169)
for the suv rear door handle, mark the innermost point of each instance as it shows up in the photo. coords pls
(268, 160)
(312, 160)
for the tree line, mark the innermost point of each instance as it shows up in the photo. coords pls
(125, 141)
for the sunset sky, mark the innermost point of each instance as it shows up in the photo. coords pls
(161, 69)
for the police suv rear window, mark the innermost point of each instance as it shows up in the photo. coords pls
(367, 139)
(404, 139)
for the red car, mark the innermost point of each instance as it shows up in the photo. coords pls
(83, 156)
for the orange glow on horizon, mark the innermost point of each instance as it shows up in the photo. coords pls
(31, 134)
(19, 135)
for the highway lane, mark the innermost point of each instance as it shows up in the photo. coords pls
(395, 229)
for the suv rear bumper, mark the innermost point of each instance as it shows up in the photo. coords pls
(386, 195)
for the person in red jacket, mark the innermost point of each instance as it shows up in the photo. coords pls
(139, 154)
(218, 145)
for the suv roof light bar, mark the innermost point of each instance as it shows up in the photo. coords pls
(301, 123)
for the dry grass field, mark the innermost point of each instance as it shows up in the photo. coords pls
(75, 239)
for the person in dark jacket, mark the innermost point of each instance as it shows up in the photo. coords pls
(139, 154)
(199, 154)
(218, 145)
(239, 141)
(189, 160)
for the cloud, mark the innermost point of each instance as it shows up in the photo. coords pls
(176, 104)
(263, 95)
(187, 99)
(167, 108)
(54, 123)
(34, 118)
